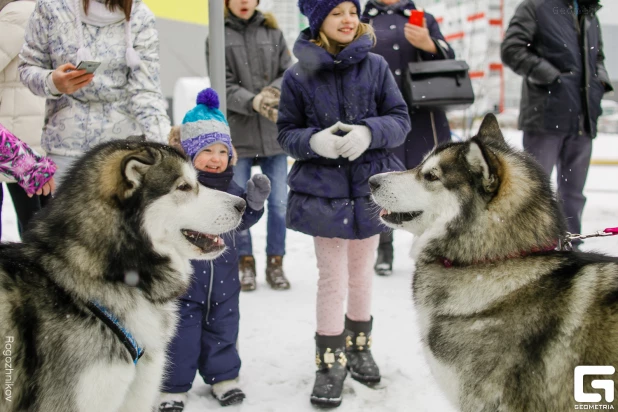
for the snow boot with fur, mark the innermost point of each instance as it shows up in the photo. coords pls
(172, 402)
(228, 392)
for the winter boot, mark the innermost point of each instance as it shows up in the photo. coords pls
(246, 267)
(228, 392)
(361, 365)
(172, 402)
(331, 362)
(384, 262)
(274, 273)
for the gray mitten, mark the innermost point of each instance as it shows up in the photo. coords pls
(258, 189)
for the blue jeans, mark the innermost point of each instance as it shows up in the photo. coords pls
(276, 168)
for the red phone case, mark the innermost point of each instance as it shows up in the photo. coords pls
(416, 18)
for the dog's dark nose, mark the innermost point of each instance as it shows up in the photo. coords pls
(240, 205)
(374, 183)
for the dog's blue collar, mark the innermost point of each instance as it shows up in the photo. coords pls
(124, 335)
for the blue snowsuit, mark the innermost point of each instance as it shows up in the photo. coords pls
(209, 316)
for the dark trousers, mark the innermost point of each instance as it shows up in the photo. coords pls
(25, 207)
(570, 154)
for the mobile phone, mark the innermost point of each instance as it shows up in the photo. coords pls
(89, 66)
(416, 17)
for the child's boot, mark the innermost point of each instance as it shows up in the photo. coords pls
(361, 365)
(331, 362)
(172, 402)
(228, 392)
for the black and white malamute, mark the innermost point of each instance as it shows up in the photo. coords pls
(87, 301)
(505, 318)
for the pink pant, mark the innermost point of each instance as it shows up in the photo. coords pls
(346, 270)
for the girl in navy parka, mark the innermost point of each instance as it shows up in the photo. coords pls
(340, 111)
(205, 339)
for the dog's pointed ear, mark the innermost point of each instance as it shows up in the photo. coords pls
(135, 165)
(174, 139)
(490, 129)
(484, 161)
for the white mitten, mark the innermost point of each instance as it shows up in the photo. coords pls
(323, 142)
(355, 142)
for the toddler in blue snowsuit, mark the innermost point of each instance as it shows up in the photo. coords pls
(205, 340)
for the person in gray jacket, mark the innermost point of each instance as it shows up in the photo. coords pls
(556, 46)
(256, 57)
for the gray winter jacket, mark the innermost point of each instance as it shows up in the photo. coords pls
(256, 56)
(561, 59)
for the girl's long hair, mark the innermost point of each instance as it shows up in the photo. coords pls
(334, 48)
(124, 5)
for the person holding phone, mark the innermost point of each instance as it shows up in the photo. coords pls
(404, 35)
(84, 106)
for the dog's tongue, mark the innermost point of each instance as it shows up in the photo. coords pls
(383, 212)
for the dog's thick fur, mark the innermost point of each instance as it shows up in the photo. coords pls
(116, 234)
(504, 318)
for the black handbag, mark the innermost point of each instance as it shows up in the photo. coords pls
(443, 84)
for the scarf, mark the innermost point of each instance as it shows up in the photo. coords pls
(218, 181)
(100, 16)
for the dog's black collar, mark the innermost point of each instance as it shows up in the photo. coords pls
(112, 322)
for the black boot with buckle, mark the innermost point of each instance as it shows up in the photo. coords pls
(331, 362)
(361, 365)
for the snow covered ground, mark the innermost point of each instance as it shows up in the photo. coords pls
(277, 328)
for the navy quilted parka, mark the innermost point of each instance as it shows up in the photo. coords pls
(330, 197)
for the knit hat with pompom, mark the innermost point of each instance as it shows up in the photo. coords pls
(204, 125)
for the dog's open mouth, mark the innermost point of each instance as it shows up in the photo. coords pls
(205, 242)
(398, 218)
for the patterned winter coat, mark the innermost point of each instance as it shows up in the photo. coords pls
(118, 103)
(330, 197)
(19, 162)
(388, 23)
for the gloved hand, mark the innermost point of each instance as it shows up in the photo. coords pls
(323, 142)
(355, 142)
(258, 189)
(266, 103)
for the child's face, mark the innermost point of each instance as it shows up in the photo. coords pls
(342, 23)
(243, 9)
(213, 159)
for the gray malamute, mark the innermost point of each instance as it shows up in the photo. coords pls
(87, 301)
(505, 318)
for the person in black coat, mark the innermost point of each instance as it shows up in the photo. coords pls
(401, 43)
(556, 46)
(205, 340)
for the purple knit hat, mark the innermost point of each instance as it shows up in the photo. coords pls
(316, 12)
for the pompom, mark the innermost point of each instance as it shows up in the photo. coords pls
(209, 98)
